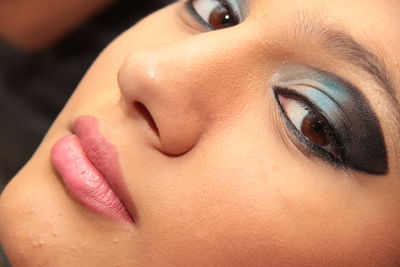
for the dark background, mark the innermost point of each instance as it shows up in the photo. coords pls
(35, 86)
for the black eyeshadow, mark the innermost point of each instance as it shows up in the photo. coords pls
(358, 134)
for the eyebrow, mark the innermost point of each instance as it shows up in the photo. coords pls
(343, 46)
(346, 48)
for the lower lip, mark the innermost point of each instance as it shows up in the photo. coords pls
(86, 183)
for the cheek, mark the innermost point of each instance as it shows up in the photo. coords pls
(241, 204)
(41, 226)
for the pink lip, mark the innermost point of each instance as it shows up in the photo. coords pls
(89, 167)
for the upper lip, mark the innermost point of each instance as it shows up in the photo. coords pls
(104, 157)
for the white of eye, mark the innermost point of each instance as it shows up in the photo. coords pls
(204, 8)
(315, 130)
(295, 110)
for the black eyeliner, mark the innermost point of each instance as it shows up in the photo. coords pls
(305, 142)
(358, 132)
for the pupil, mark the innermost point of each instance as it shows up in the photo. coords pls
(226, 19)
(315, 129)
(221, 17)
(318, 126)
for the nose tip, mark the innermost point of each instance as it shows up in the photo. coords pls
(153, 88)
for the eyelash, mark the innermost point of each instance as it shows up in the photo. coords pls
(306, 144)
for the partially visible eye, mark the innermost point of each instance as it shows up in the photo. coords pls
(216, 14)
(310, 123)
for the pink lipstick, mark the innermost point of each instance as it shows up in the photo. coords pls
(88, 165)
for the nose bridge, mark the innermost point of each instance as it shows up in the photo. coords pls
(183, 87)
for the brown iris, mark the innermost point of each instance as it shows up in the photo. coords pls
(316, 129)
(221, 17)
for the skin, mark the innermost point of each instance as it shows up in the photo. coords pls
(222, 184)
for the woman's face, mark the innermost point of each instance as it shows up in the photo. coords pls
(272, 140)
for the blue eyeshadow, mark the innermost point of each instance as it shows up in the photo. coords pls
(357, 130)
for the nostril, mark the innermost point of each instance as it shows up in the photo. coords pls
(144, 112)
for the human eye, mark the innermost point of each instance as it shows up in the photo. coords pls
(331, 119)
(309, 122)
(215, 14)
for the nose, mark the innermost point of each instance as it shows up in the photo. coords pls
(181, 86)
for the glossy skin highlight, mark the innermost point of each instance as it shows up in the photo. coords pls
(221, 182)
